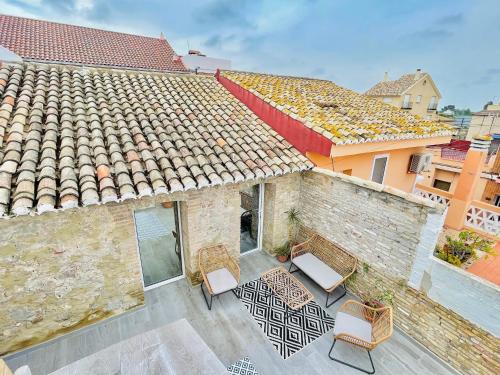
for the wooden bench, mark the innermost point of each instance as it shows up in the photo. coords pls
(326, 263)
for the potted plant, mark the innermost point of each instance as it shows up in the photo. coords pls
(465, 247)
(294, 223)
(282, 252)
(376, 300)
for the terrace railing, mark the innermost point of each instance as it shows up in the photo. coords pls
(435, 195)
(484, 217)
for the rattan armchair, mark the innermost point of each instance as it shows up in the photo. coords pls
(330, 254)
(363, 326)
(219, 271)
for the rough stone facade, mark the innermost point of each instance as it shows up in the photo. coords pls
(279, 197)
(384, 231)
(63, 270)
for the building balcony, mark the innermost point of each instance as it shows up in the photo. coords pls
(407, 105)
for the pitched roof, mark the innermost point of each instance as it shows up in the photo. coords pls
(39, 40)
(73, 136)
(394, 88)
(341, 115)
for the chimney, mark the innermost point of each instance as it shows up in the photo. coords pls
(418, 74)
(386, 77)
(162, 37)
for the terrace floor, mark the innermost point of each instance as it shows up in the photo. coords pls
(231, 333)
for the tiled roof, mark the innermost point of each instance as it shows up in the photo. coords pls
(341, 115)
(393, 88)
(55, 42)
(72, 136)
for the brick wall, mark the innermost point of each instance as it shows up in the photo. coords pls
(389, 231)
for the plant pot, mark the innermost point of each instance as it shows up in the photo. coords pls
(282, 258)
(369, 314)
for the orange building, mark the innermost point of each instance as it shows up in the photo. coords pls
(339, 129)
(446, 167)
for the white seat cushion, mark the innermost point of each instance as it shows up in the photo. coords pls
(345, 323)
(23, 370)
(221, 280)
(313, 267)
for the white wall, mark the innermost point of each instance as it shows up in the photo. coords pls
(205, 64)
(473, 298)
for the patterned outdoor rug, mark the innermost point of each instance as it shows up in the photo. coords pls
(290, 336)
(242, 367)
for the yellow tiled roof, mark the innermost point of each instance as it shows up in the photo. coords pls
(341, 115)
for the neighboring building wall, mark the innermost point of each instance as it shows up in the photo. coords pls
(484, 124)
(419, 109)
(64, 270)
(390, 236)
(423, 87)
(396, 176)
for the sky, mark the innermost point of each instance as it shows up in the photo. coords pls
(349, 42)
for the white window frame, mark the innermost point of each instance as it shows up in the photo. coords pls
(380, 156)
(433, 100)
(387, 100)
(177, 278)
(418, 99)
(261, 222)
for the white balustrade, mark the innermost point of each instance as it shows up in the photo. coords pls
(433, 197)
(483, 219)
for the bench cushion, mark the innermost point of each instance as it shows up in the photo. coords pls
(345, 323)
(221, 280)
(317, 270)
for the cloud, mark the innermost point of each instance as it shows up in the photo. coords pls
(226, 12)
(453, 19)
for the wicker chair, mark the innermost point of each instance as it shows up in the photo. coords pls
(362, 326)
(324, 262)
(220, 272)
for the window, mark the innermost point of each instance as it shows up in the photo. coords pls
(442, 185)
(424, 83)
(419, 99)
(497, 200)
(387, 100)
(379, 167)
(406, 102)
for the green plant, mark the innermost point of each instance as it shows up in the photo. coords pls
(366, 267)
(294, 223)
(378, 299)
(283, 250)
(459, 250)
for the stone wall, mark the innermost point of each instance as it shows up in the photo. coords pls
(377, 224)
(210, 217)
(64, 270)
(280, 195)
(390, 232)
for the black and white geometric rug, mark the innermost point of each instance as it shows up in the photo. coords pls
(242, 367)
(287, 336)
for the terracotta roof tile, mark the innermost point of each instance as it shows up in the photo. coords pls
(76, 136)
(341, 115)
(39, 40)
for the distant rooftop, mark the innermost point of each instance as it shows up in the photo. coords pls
(39, 40)
(395, 87)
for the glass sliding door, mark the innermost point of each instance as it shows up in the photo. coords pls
(251, 218)
(158, 235)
